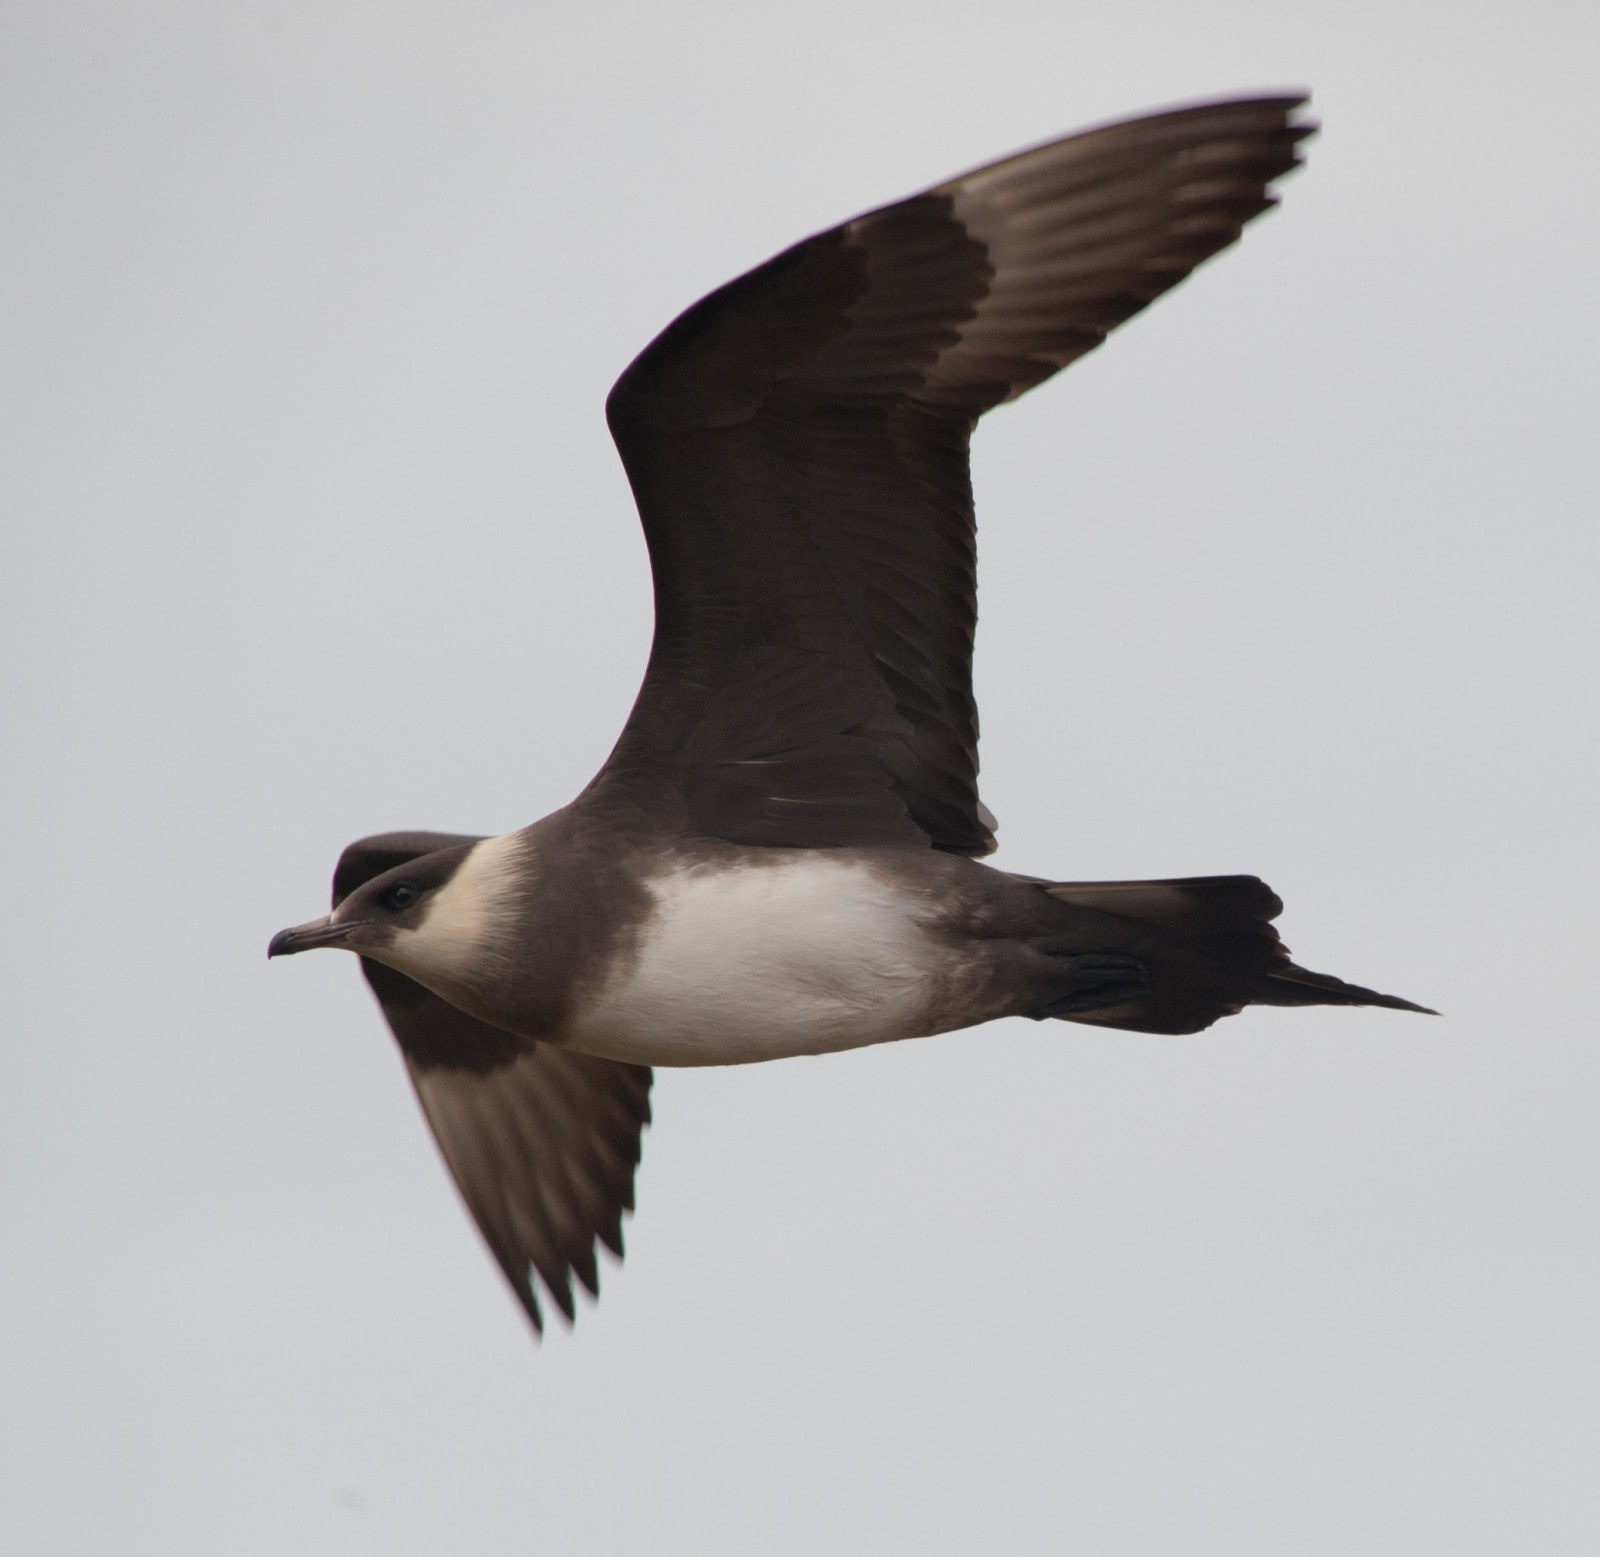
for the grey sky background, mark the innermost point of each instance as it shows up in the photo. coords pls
(312, 528)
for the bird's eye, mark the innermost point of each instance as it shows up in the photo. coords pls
(401, 895)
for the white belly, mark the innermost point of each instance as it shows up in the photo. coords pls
(803, 955)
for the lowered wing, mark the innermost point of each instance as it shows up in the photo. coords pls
(542, 1142)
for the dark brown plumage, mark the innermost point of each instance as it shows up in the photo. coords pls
(797, 442)
(542, 1142)
(775, 859)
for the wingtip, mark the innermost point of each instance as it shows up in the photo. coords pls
(529, 1300)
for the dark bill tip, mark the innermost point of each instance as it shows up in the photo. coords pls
(304, 937)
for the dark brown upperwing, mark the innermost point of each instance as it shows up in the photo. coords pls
(797, 444)
(542, 1143)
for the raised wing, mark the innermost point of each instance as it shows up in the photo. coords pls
(542, 1143)
(797, 443)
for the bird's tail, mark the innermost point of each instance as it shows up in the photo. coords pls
(1214, 951)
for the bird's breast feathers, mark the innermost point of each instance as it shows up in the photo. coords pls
(793, 952)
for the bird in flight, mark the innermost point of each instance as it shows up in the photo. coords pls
(780, 856)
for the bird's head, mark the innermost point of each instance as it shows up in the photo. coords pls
(438, 918)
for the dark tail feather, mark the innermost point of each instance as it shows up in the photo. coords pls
(1295, 986)
(1214, 952)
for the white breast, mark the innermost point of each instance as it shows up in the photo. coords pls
(804, 954)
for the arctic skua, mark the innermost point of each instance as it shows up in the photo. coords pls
(780, 856)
